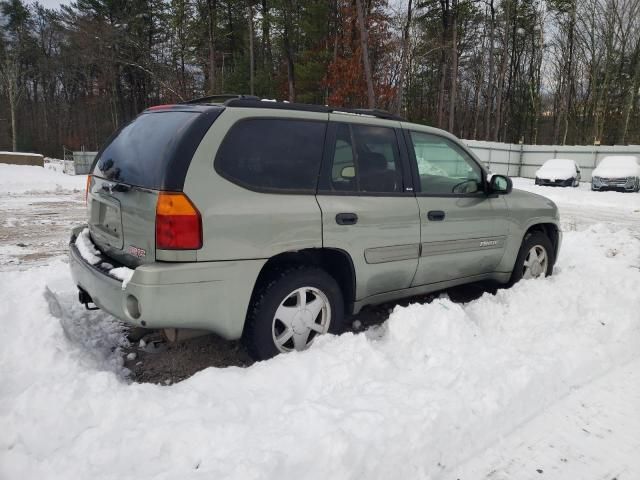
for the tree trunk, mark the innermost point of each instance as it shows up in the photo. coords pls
(251, 60)
(443, 61)
(501, 77)
(404, 62)
(631, 94)
(454, 65)
(211, 10)
(490, 80)
(14, 125)
(291, 78)
(364, 49)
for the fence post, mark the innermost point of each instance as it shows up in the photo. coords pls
(520, 158)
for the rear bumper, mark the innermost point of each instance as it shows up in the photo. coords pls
(211, 296)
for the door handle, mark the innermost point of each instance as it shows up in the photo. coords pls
(346, 219)
(435, 215)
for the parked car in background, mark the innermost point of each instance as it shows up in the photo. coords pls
(272, 222)
(617, 172)
(561, 172)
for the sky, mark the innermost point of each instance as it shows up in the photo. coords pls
(53, 3)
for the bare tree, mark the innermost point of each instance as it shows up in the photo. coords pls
(364, 49)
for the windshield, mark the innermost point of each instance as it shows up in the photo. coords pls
(140, 154)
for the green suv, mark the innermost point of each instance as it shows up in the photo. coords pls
(272, 222)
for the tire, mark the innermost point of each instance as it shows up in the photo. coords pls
(275, 313)
(531, 240)
(576, 183)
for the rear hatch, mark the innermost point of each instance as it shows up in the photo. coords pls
(149, 155)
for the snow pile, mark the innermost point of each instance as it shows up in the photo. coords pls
(617, 166)
(87, 249)
(436, 384)
(16, 179)
(557, 169)
(122, 273)
(60, 166)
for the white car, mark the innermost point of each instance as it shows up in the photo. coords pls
(559, 171)
(619, 172)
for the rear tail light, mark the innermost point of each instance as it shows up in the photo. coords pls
(178, 223)
(86, 190)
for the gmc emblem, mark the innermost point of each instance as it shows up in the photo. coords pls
(137, 251)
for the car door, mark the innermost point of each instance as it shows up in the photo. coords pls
(463, 230)
(367, 202)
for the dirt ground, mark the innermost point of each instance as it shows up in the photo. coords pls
(34, 228)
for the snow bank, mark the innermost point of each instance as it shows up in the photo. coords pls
(414, 398)
(28, 179)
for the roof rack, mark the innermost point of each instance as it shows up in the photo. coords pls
(220, 98)
(254, 102)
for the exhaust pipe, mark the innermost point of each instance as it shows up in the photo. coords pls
(175, 335)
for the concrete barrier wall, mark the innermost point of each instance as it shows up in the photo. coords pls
(523, 160)
(19, 158)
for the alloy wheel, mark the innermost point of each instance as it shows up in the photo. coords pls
(300, 317)
(536, 262)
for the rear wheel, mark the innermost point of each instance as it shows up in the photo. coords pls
(535, 258)
(291, 309)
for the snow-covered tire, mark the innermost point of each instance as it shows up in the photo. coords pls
(273, 316)
(533, 240)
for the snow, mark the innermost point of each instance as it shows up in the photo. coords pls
(86, 248)
(617, 167)
(440, 390)
(122, 273)
(16, 179)
(90, 253)
(557, 169)
(25, 154)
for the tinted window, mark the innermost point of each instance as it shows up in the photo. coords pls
(142, 152)
(444, 167)
(273, 154)
(364, 159)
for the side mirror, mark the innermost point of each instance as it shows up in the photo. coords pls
(500, 184)
(348, 172)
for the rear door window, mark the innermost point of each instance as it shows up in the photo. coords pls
(142, 152)
(267, 154)
(364, 159)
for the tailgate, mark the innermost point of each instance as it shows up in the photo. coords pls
(122, 221)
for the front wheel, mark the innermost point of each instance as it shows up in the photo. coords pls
(535, 258)
(291, 309)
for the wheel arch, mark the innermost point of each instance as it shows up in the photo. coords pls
(336, 262)
(551, 230)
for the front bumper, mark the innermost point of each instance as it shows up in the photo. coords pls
(554, 183)
(210, 296)
(614, 183)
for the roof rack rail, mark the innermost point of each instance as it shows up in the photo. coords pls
(220, 98)
(306, 107)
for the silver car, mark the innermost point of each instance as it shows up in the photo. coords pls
(272, 222)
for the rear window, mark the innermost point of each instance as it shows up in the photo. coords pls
(272, 154)
(153, 151)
